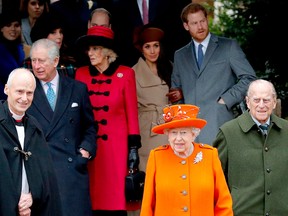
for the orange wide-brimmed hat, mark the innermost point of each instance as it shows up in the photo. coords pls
(180, 115)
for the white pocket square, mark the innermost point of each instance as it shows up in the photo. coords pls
(74, 105)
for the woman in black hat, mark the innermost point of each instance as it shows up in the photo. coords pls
(11, 48)
(113, 96)
(50, 27)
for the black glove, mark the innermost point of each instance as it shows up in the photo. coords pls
(133, 158)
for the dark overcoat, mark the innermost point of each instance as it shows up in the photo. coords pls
(67, 129)
(40, 173)
(255, 167)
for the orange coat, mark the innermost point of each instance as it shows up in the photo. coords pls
(175, 186)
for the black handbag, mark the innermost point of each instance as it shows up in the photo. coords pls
(134, 186)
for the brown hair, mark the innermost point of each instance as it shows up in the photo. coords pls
(192, 8)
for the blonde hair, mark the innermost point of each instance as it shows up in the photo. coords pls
(110, 54)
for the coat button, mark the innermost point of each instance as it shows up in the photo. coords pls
(66, 140)
(184, 192)
(266, 149)
(183, 162)
(185, 208)
(268, 192)
(268, 170)
(267, 214)
(70, 159)
(183, 176)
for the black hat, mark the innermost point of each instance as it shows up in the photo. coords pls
(44, 25)
(8, 17)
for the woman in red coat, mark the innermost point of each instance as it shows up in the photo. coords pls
(184, 177)
(112, 90)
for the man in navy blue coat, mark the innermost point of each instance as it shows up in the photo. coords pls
(68, 127)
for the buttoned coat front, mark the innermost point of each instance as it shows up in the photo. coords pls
(193, 186)
(256, 168)
(225, 73)
(67, 129)
(114, 100)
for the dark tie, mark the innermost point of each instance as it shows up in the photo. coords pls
(145, 12)
(264, 128)
(200, 55)
(51, 96)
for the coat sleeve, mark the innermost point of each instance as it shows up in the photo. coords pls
(131, 103)
(89, 139)
(222, 196)
(149, 196)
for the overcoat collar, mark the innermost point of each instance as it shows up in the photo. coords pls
(7, 123)
(246, 122)
(145, 76)
(108, 72)
(63, 99)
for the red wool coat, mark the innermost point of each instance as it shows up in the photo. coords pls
(114, 100)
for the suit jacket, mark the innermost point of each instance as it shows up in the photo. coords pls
(255, 167)
(192, 186)
(40, 173)
(225, 73)
(68, 128)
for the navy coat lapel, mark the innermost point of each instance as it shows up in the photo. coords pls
(40, 101)
(63, 98)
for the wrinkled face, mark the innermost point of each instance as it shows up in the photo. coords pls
(151, 51)
(180, 139)
(11, 31)
(44, 68)
(96, 56)
(261, 102)
(20, 94)
(57, 37)
(99, 19)
(35, 9)
(197, 26)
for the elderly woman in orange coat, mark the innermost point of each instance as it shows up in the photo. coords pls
(184, 177)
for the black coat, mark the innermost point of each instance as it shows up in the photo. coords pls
(40, 173)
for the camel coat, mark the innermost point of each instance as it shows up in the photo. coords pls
(151, 96)
(175, 186)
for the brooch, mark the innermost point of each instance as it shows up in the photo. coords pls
(198, 157)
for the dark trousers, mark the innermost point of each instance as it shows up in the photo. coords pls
(109, 213)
